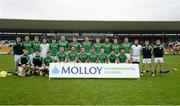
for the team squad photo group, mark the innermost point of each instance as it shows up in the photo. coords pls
(34, 57)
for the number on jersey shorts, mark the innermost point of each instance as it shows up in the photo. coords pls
(135, 58)
(128, 56)
(16, 58)
(158, 60)
(147, 61)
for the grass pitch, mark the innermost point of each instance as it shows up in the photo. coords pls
(158, 90)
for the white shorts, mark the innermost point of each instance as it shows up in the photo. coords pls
(158, 60)
(128, 56)
(147, 61)
(135, 58)
(16, 58)
(20, 69)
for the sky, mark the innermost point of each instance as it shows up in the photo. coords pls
(93, 10)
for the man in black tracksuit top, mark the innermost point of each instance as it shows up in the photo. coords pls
(37, 63)
(158, 51)
(17, 50)
(147, 53)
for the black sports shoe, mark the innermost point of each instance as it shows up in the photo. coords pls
(164, 72)
(152, 73)
(142, 73)
(155, 72)
(147, 71)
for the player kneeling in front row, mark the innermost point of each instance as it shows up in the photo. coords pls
(93, 57)
(46, 62)
(147, 53)
(37, 64)
(102, 56)
(61, 55)
(83, 56)
(24, 64)
(122, 58)
(72, 55)
(112, 58)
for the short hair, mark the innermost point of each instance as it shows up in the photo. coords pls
(122, 48)
(146, 41)
(136, 39)
(112, 50)
(53, 38)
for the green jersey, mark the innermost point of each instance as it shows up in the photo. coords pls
(54, 47)
(116, 48)
(83, 57)
(122, 58)
(36, 46)
(64, 44)
(61, 56)
(28, 47)
(107, 47)
(102, 57)
(127, 47)
(97, 47)
(72, 56)
(87, 46)
(76, 45)
(47, 60)
(93, 57)
(112, 58)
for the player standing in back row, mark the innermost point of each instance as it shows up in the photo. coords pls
(36, 45)
(17, 51)
(158, 51)
(87, 45)
(97, 45)
(44, 47)
(147, 53)
(127, 47)
(63, 43)
(116, 46)
(27, 44)
(107, 46)
(75, 44)
(54, 48)
(136, 52)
